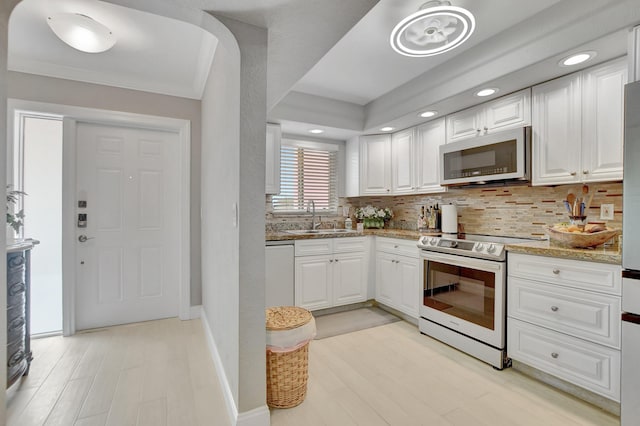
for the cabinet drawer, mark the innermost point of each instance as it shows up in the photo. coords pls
(349, 244)
(593, 276)
(591, 316)
(313, 247)
(586, 364)
(396, 246)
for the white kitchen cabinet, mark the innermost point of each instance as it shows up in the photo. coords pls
(564, 319)
(504, 113)
(428, 139)
(272, 159)
(577, 126)
(375, 165)
(330, 272)
(403, 162)
(397, 275)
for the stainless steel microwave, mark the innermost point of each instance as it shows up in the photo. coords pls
(500, 156)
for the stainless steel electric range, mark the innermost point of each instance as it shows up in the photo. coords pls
(463, 302)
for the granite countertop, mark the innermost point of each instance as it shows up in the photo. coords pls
(602, 254)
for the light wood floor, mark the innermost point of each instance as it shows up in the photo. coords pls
(392, 375)
(159, 373)
(154, 373)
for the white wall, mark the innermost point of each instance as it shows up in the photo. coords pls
(37, 88)
(43, 219)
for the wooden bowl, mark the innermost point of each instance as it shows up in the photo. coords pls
(581, 239)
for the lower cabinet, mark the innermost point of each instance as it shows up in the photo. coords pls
(397, 275)
(564, 319)
(333, 279)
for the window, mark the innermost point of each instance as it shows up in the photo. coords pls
(308, 171)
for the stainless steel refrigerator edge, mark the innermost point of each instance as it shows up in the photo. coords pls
(630, 380)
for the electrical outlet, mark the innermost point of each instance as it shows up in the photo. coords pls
(606, 211)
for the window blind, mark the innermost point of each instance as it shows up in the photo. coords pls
(307, 173)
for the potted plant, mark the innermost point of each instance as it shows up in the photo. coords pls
(15, 220)
(373, 217)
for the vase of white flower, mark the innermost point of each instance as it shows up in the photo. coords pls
(373, 217)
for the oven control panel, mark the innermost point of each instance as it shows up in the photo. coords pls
(485, 250)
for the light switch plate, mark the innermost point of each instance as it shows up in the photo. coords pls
(606, 211)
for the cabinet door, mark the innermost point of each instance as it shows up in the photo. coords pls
(428, 138)
(387, 286)
(313, 282)
(402, 162)
(464, 124)
(349, 278)
(272, 159)
(556, 120)
(603, 121)
(509, 111)
(375, 165)
(409, 285)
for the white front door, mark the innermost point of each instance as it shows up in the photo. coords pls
(128, 269)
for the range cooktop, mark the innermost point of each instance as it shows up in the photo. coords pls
(489, 247)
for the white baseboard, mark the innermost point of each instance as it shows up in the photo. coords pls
(195, 311)
(260, 416)
(232, 409)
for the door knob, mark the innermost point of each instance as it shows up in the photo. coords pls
(83, 238)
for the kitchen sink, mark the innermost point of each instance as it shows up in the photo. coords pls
(319, 231)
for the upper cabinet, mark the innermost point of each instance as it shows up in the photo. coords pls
(578, 126)
(375, 165)
(272, 159)
(406, 162)
(507, 112)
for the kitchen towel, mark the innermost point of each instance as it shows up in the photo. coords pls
(449, 219)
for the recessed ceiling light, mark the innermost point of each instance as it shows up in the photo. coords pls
(577, 58)
(386, 129)
(82, 32)
(316, 131)
(428, 114)
(486, 92)
(436, 28)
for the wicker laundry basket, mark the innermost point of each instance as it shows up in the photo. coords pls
(288, 366)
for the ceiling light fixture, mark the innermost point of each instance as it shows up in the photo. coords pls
(486, 92)
(386, 129)
(82, 32)
(316, 131)
(428, 114)
(434, 29)
(577, 58)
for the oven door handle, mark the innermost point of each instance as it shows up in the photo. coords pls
(466, 262)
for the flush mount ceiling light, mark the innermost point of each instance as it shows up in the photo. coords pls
(577, 58)
(316, 131)
(82, 32)
(386, 129)
(486, 92)
(428, 114)
(436, 28)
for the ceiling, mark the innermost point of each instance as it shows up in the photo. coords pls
(329, 62)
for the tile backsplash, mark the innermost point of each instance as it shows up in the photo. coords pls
(520, 210)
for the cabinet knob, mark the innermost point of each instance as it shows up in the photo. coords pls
(556, 271)
(573, 173)
(554, 308)
(336, 260)
(395, 246)
(330, 260)
(478, 130)
(486, 129)
(585, 172)
(554, 355)
(388, 190)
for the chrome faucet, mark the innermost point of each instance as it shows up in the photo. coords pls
(314, 225)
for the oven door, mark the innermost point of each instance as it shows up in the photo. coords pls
(464, 294)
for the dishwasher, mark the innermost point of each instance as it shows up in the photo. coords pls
(279, 273)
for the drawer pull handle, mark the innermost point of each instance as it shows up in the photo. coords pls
(554, 355)
(16, 261)
(554, 308)
(16, 324)
(556, 271)
(16, 358)
(396, 246)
